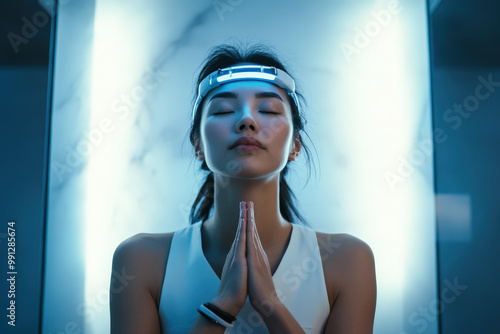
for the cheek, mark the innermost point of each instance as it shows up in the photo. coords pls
(278, 130)
(214, 133)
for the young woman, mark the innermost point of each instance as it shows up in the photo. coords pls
(249, 267)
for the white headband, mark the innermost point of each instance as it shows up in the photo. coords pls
(246, 72)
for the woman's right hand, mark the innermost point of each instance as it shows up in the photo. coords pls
(233, 286)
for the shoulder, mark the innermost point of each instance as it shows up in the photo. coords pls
(342, 247)
(345, 257)
(138, 268)
(142, 245)
(349, 268)
(143, 258)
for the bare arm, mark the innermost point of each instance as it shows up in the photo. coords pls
(137, 276)
(281, 321)
(354, 308)
(132, 302)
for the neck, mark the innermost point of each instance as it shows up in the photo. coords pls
(264, 193)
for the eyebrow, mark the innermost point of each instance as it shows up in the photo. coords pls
(232, 95)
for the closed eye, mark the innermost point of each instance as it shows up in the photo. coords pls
(262, 111)
(222, 112)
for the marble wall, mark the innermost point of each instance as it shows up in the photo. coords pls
(122, 163)
(64, 276)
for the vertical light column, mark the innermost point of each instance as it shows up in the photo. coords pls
(388, 188)
(116, 96)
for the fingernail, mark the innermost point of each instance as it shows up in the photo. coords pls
(242, 210)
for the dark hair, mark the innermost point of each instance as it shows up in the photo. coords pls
(222, 56)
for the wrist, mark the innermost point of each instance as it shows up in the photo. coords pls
(268, 308)
(216, 315)
(225, 306)
(275, 317)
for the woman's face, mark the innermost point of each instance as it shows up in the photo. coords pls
(238, 109)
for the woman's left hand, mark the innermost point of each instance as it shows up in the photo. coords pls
(261, 290)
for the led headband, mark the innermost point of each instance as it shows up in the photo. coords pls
(246, 72)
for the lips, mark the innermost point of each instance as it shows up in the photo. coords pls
(247, 141)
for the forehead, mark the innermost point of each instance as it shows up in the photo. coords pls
(248, 87)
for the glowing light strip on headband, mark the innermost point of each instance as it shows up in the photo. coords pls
(246, 72)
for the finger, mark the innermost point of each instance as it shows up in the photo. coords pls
(249, 230)
(255, 232)
(240, 222)
(241, 233)
(259, 251)
(236, 245)
(252, 230)
(261, 254)
(257, 237)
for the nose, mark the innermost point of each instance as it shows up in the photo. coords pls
(246, 121)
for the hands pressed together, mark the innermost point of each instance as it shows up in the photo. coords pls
(246, 270)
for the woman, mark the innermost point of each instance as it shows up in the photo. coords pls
(248, 267)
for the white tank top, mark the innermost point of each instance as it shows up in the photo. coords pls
(190, 281)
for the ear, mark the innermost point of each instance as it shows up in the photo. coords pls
(197, 149)
(294, 153)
